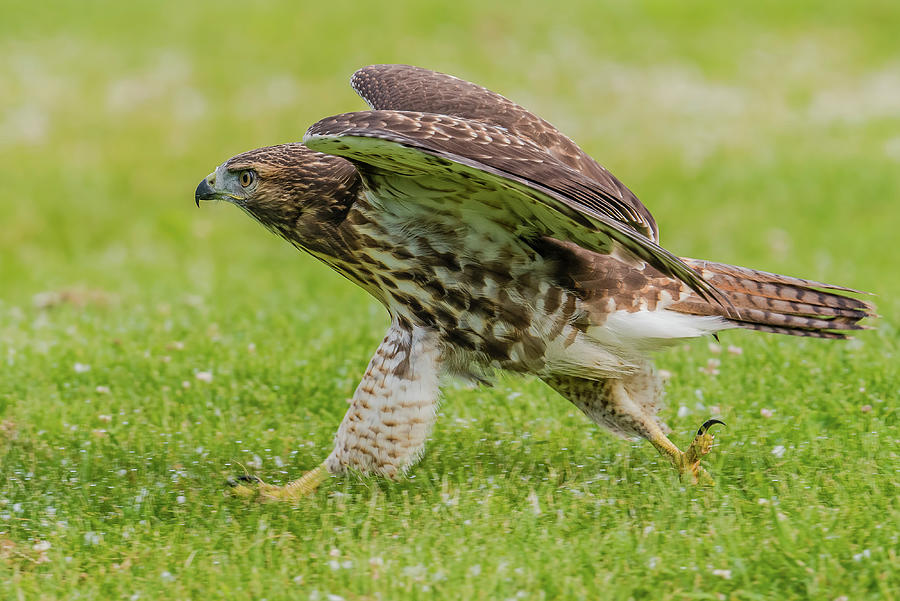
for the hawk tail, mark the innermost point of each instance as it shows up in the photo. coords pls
(777, 303)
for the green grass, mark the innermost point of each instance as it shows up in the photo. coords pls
(767, 136)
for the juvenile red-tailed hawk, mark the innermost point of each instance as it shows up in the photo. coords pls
(495, 242)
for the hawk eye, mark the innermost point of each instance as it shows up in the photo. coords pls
(247, 177)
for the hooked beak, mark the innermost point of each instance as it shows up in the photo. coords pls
(204, 191)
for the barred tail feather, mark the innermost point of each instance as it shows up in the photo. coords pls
(776, 303)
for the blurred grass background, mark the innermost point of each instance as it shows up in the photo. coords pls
(149, 347)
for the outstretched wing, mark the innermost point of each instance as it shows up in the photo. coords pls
(491, 174)
(407, 88)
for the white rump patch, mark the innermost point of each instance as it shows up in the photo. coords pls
(648, 330)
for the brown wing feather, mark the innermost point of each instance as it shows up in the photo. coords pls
(778, 303)
(407, 88)
(567, 203)
(767, 302)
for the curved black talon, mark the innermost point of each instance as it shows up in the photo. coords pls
(707, 424)
(232, 482)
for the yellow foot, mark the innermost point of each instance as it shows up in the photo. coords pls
(292, 491)
(700, 446)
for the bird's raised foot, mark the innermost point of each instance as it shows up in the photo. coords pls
(700, 446)
(253, 488)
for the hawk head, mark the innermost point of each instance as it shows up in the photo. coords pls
(299, 194)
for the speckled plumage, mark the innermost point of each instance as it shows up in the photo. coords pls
(393, 407)
(495, 242)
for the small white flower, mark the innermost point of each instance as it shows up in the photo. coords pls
(683, 411)
(726, 574)
(535, 503)
(81, 368)
(778, 451)
(712, 367)
(102, 389)
(767, 413)
(864, 555)
(180, 499)
(92, 538)
(167, 576)
(475, 570)
(298, 579)
(204, 376)
(416, 572)
(41, 546)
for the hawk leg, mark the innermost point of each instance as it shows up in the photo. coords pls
(627, 407)
(688, 462)
(390, 416)
(294, 490)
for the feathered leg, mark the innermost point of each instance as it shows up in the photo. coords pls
(390, 415)
(627, 407)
